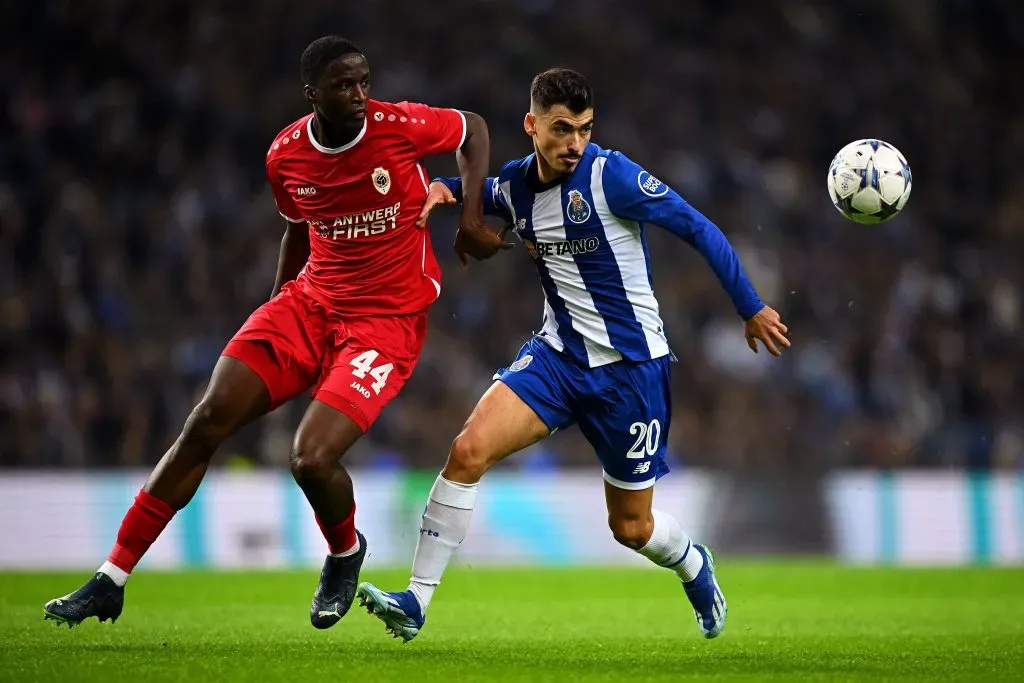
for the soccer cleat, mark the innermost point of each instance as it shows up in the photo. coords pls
(100, 597)
(706, 597)
(337, 587)
(400, 612)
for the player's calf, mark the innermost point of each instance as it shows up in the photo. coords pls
(322, 438)
(669, 547)
(236, 396)
(658, 537)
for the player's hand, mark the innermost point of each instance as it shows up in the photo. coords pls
(475, 239)
(438, 193)
(767, 326)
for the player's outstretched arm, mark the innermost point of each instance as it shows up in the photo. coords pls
(293, 256)
(636, 195)
(474, 237)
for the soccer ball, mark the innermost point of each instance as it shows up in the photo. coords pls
(869, 181)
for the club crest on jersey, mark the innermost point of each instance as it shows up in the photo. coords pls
(520, 364)
(381, 180)
(578, 209)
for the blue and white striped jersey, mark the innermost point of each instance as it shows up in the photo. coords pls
(586, 236)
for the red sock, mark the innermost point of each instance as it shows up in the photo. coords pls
(143, 523)
(341, 536)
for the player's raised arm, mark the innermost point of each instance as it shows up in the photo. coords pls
(442, 131)
(295, 243)
(636, 195)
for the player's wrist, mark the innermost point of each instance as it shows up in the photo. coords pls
(747, 312)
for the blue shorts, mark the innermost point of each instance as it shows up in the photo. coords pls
(623, 408)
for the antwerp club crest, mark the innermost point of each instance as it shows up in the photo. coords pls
(381, 180)
(578, 209)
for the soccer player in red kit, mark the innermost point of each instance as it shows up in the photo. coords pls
(346, 318)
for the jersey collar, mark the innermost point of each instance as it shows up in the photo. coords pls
(334, 150)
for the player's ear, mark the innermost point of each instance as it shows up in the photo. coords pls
(309, 92)
(530, 124)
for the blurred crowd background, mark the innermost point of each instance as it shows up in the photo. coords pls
(138, 231)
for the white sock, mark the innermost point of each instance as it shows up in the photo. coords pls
(351, 551)
(116, 574)
(443, 527)
(669, 547)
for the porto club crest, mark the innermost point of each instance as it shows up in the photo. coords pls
(578, 209)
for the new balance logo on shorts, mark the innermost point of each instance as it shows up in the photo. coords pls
(642, 468)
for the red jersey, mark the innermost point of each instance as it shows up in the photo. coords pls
(361, 202)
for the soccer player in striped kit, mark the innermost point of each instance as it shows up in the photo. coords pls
(601, 360)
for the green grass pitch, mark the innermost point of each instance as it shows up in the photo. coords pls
(787, 622)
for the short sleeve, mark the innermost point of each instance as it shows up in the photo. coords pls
(285, 205)
(433, 130)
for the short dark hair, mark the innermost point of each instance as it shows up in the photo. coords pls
(322, 52)
(561, 86)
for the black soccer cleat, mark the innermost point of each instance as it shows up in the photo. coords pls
(100, 597)
(337, 587)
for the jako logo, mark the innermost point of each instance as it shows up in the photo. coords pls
(305, 191)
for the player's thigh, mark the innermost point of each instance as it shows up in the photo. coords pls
(282, 342)
(234, 397)
(626, 420)
(501, 424)
(324, 435)
(532, 398)
(368, 362)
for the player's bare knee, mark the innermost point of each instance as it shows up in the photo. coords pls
(312, 462)
(631, 531)
(209, 424)
(469, 457)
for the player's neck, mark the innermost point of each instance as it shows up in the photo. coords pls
(331, 135)
(545, 173)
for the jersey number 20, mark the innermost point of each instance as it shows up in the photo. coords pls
(647, 438)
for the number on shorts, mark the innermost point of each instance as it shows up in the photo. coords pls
(647, 438)
(363, 364)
